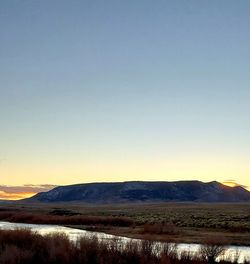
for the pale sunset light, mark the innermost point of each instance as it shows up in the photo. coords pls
(123, 91)
(124, 131)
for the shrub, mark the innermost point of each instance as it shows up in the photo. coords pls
(25, 247)
(212, 249)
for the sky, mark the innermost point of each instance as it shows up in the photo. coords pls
(94, 91)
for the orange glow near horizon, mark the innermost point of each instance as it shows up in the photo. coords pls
(22, 195)
(15, 196)
(230, 184)
(164, 167)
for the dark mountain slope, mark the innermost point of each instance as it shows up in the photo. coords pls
(180, 191)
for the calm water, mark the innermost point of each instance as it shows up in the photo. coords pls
(74, 234)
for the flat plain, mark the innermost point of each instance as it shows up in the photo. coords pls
(174, 222)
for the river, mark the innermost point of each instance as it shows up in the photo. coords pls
(74, 234)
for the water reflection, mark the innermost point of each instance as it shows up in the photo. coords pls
(74, 234)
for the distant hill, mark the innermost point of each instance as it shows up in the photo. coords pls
(129, 192)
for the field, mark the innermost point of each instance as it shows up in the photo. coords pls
(176, 222)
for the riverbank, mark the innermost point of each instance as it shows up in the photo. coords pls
(27, 247)
(240, 253)
(169, 222)
(184, 235)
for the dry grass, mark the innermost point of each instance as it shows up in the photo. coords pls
(25, 247)
(160, 228)
(178, 222)
(23, 217)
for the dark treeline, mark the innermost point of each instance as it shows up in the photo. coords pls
(20, 217)
(25, 247)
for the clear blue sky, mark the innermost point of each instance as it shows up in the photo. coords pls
(122, 90)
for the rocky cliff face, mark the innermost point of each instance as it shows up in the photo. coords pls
(123, 192)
